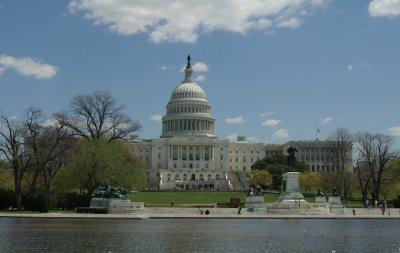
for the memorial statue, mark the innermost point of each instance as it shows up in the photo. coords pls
(291, 158)
(335, 192)
(320, 193)
(250, 192)
(106, 191)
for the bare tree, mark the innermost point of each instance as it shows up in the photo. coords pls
(341, 147)
(12, 148)
(97, 116)
(375, 158)
(47, 146)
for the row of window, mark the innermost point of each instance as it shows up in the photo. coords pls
(244, 151)
(317, 157)
(188, 110)
(317, 168)
(192, 177)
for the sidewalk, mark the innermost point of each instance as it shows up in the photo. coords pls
(215, 213)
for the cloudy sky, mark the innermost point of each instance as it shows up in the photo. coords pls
(273, 70)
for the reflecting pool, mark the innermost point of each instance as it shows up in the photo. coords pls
(198, 235)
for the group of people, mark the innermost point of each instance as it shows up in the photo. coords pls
(382, 206)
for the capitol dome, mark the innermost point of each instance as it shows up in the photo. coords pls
(188, 110)
(190, 90)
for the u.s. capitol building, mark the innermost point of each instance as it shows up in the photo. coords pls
(189, 155)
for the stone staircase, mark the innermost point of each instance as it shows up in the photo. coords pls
(238, 180)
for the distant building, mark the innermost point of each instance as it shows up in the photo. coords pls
(189, 155)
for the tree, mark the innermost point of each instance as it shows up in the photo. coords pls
(97, 162)
(12, 148)
(310, 181)
(340, 145)
(48, 147)
(277, 165)
(97, 116)
(374, 161)
(261, 178)
(6, 177)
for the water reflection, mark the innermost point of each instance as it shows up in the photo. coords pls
(198, 235)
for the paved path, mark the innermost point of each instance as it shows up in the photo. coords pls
(215, 213)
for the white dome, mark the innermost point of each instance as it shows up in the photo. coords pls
(188, 111)
(188, 90)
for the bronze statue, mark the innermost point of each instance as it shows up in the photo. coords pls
(291, 159)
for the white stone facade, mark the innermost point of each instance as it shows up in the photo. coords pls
(189, 154)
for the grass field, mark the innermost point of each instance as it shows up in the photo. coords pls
(187, 198)
(180, 198)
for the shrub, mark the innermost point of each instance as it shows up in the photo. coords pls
(396, 202)
(36, 202)
(7, 199)
(72, 200)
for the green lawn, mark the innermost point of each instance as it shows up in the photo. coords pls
(180, 198)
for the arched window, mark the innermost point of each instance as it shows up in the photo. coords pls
(217, 177)
(193, 177)
(184, 177)
(168, 177)
(176, 176)
(209, 177)
(201, 177)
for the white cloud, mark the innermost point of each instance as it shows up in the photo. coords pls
(236, 120)
(326, 120)
(265, 114)
(350, 67)
(395, 131)
(281, 134)
(163, 67)
(49, 122)
(290, 23)
(200, 67)
(184, 20)
(12, 118)
(232, 137)
(156, 117)
(271, 122)
(384, 8)
(253, 139)
(200, 78)
(197, 67)
(27, 67)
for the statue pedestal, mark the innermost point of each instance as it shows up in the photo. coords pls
(116, 205)
(256, 204)
(335, 205)
(291, 189)
(320, 199)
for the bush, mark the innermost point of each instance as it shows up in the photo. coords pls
(396, 202)
(35, 202)
(72, 200)
(7, 199)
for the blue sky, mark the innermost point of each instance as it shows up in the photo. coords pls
(273, 70)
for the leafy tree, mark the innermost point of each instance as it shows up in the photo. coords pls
(6, 177)
(277, 165)
(310, 181)
(261, 178)
(97, 162)
(97, 116)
